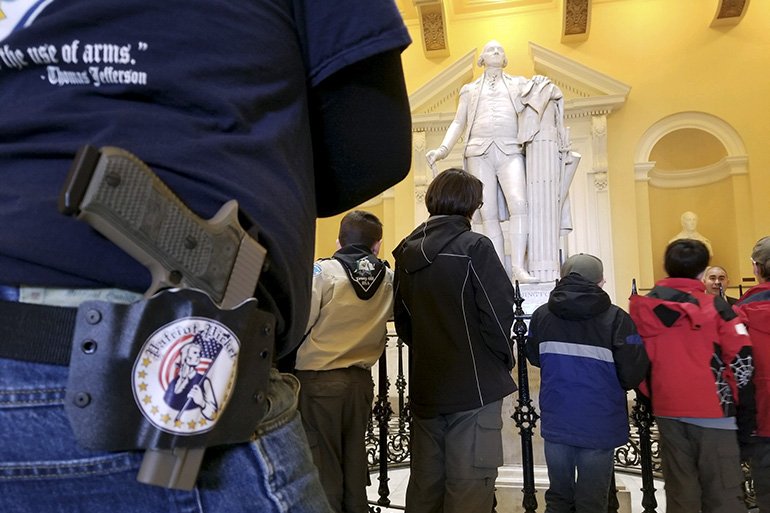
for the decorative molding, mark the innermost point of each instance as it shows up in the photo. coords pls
(419, 164)
(444, 87)
(692, 119)
(726, 167)
(601, 181)
(477, 8)
(433, 27)
(599, 143)
(735, 163)
(642, 171)
(730, 12)
(582, 78)
(576, 20)
(596, 94)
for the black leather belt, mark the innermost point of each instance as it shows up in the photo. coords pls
(34, 333)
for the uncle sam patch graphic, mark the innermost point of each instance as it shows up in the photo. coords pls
(184, 375)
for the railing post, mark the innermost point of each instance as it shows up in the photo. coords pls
(643, 420)
(749, 494)
(404, 413)
(382, 412)
(524, 414)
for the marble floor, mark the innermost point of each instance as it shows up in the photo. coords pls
(400, 477)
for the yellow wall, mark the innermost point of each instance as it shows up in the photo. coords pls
(666, 208)
(674, 62)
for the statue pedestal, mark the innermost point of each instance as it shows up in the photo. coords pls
(535, 294)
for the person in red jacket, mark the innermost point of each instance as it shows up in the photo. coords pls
(754, 305)
(701, 368)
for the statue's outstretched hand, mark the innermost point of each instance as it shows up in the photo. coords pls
(433, 155)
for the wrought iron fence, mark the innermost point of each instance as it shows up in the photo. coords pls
(388, 434)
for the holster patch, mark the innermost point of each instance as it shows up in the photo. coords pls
(170, 371)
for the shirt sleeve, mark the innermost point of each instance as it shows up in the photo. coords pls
(316, 299)
(402, 318)
(532, 346)
(631, 361)
(334, 35)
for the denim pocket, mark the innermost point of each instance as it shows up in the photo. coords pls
(39, 443)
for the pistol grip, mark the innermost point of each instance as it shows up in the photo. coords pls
(126, 202)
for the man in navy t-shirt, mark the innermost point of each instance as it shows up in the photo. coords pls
(295, 108)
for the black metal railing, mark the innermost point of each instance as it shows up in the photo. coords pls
(388, 435)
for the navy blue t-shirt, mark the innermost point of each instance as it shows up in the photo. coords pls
(213, 95)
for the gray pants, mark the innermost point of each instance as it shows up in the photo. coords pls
(701, 468)
(454, 461)
(335, 407)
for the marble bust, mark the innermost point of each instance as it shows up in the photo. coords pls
(689, 222)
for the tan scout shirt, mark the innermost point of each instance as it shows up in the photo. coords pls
(344, 331)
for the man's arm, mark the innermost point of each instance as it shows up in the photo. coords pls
(402, 317)
(737, 352)
(362, 132)
(631, 361)
(532, 344)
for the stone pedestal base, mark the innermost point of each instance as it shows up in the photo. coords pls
(535, 294)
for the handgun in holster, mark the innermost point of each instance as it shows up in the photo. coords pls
(188, 366)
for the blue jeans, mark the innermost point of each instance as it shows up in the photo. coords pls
(42, 469)
(588, 493)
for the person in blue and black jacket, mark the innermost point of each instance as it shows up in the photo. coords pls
(590, 354)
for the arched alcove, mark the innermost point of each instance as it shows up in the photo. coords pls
(691, 161)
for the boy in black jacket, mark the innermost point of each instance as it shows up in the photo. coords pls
(454, 307)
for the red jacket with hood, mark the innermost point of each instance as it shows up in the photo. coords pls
(699, 349)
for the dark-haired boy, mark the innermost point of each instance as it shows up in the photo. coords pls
(589, 353)
(701, 369)
(454, 308)
(352, 302)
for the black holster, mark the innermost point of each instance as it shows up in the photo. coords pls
(133, 367)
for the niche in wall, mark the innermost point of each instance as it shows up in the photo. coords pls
(692, 161)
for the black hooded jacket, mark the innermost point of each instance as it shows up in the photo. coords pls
(454, 308)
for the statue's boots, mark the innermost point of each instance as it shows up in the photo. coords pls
(519, 274)
(518, 250)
